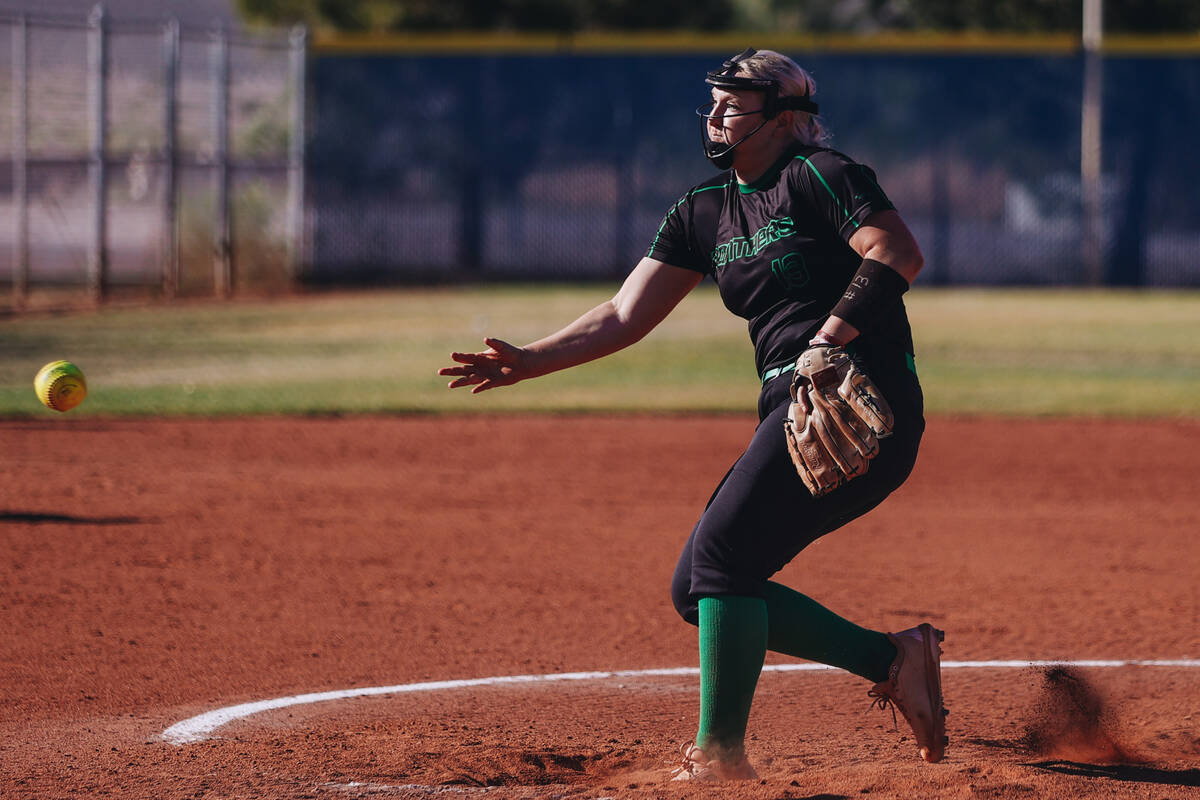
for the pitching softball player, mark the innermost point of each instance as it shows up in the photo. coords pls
(803, 243)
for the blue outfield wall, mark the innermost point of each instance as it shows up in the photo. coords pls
(561, 165)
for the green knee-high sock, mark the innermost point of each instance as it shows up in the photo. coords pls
(802, 627)
(733, 646)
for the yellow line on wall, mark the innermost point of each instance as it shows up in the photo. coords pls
(599, 43)
(1180, 45)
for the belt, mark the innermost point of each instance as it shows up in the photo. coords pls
(909, 361)
(777, 371)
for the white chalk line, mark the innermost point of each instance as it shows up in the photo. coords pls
(358, 787)
(202, 726)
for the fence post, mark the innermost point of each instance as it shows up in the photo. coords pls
(98, 89)
(170, 231)
(297, 63)
(20, 65)
(1091, 145)
(222, 246)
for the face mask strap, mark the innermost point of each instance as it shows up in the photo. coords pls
(727, 78)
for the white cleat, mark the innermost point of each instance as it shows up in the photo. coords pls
(914, 685)
(697, 766)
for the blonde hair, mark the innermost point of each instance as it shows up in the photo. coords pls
(794, 81)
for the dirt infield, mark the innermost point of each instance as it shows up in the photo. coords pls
(158, 570)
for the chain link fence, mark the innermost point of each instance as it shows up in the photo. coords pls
(148, 159)
(167, 160)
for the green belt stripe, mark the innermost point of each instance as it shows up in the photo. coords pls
(774, 373)
(909, 361)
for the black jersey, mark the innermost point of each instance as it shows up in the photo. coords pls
(778, 250)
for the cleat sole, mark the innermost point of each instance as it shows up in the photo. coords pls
(933, 651)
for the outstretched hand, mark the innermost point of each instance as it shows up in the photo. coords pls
(500, 365)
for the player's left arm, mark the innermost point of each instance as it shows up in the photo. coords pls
(886, 245)
(885, 238)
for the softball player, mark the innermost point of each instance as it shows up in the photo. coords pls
(804, 244)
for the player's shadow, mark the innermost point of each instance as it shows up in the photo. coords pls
(38, 518)
(1122, 772)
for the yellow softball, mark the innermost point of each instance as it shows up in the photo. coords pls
(60, 385)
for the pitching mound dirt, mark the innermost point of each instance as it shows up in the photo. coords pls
(1074, 721)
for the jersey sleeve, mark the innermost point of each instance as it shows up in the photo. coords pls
(843, 191)
(674, 243)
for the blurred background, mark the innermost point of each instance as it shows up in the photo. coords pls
(161, 147)
(301, 206)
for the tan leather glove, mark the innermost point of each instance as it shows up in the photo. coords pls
(836, 419)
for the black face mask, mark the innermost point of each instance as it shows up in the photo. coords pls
(721, 155)
(721, 161)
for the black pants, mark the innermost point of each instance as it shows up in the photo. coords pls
(761, 515)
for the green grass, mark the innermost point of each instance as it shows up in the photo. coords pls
(1043, 352)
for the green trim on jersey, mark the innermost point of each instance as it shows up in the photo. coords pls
(832, 194)
(767, 179)
(674, 208)
(666, 218)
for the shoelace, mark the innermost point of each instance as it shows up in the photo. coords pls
(881, 701)
(687, 765)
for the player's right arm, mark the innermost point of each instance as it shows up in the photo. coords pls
(646, 297)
